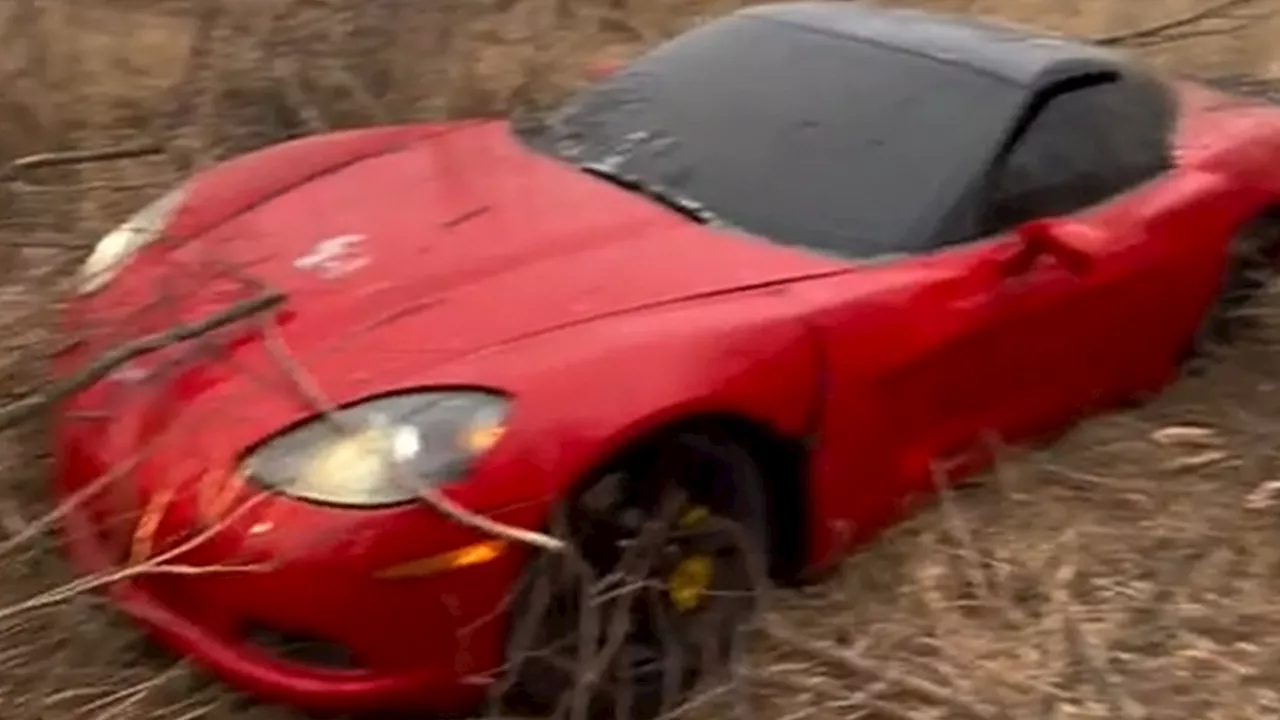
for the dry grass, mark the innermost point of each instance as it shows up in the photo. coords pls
(1120, 573)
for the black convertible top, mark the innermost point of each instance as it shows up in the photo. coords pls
(1013, 54)
(835, 126)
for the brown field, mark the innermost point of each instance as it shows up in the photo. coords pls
(1120, 573)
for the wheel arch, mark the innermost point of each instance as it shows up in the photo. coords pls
(1270, 213)
(781, 459)
(1215, 327)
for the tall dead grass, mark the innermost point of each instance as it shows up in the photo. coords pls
(1126, 572)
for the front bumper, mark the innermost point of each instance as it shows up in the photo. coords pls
(410, 643)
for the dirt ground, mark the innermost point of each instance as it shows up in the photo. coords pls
(1130, 570)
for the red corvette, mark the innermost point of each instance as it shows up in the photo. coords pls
(789, 264)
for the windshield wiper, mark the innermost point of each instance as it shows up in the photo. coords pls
(686, 206)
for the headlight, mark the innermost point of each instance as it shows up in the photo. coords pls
(382, 451)
(118, 246)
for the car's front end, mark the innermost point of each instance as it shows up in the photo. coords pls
(321, 606)
(284, 547)
(412, 313)
(223, 504)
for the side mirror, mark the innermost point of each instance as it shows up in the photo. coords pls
(1072, 244)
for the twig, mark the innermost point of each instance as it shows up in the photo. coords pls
(74, 501)
(636, 562)
(193, 95)
(310, 390)
(77, 157)
(157, 565)
(975, 564)
(542, 573)
(868, 697)
(1205, 13)
(1077, 641)
(452, 510)
(122, 354)
(1186, 35)
(121, 700)
(293, 93)
(858, 664)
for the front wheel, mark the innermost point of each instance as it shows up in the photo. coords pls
(666, 575)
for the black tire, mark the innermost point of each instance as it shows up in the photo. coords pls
(646, 652)
(1250, 266)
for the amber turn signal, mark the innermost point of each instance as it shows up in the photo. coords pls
(476, 554)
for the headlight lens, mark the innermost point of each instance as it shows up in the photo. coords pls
(115, 249)
(382, 451)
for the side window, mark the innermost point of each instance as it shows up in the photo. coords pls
(1087, 144)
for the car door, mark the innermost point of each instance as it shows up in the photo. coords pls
(1047, 341)
(1021, 358)
(985, 344)
(925, 359)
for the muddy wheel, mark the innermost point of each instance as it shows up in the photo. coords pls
(665, 580)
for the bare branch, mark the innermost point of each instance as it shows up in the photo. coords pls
(1214, 10)
(120, 355)
(311, 391)
(77, 157)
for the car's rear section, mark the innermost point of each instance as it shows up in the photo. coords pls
(1229, 126)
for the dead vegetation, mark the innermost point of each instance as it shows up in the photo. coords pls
(1129, 571)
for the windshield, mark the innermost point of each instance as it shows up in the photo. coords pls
(791, 134)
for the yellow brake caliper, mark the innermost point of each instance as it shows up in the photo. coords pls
(691, 578)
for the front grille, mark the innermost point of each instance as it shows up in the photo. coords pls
(301, 648)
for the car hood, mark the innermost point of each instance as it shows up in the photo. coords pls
(446, 245)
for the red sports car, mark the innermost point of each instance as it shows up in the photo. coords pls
(783, 270)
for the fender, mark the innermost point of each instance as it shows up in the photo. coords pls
(584, 394)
